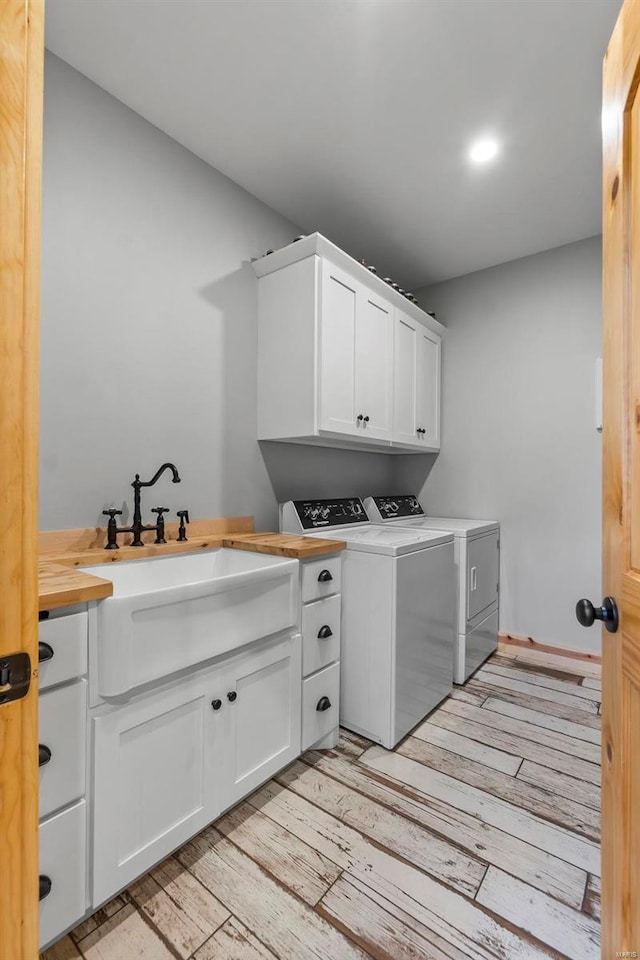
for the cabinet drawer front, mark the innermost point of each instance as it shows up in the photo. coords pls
(319, 650)
(315, 583)
(66, 637)
(316, 690)
(62, 841)
(62, 735)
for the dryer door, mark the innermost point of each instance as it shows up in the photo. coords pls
(483, 573)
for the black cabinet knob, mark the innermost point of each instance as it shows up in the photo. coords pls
(325, 632)
(44, 755)
(587, 614)
(325, 576)
(232, 695)
(216, 704)
(45, 652)
(323, 704)
(44, 886)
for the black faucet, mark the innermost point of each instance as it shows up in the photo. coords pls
(137, 527)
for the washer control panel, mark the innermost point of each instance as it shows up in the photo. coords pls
(397, 508)
(314, 514)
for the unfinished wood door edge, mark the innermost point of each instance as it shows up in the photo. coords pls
(512, 639)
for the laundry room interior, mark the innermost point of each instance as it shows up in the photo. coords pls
(327, 276)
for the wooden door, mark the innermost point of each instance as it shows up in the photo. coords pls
(337, 362)
(262, 705)
(405, 381)
(21, 83)
(374, 365)
(621, 490)
(429, 388)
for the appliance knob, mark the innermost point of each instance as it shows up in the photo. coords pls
(231, 696)
(360, 417)
(216, 704)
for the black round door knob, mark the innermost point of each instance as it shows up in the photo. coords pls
(232, 695)
(325, 632)
(44, 755)
(323, 704)
(324, 576)
(587, 614)
(216, 704)
(44, 886)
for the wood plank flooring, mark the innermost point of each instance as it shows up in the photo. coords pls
(476, 839)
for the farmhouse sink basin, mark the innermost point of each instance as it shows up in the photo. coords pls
(170, 613)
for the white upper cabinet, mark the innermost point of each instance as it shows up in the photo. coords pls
(343, 359)
(355, 358)
(416, 385)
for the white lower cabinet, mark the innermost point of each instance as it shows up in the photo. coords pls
(262, 728)
(168, 763)
(62, 868)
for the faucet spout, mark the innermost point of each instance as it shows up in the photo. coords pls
(149, 483)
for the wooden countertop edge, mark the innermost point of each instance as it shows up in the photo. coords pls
(60, 584)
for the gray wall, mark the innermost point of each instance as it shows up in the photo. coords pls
(519, 442)
(149, 326)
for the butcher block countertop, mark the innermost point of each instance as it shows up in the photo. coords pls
(62, 551)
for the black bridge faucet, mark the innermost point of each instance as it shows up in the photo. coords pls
(137, 527)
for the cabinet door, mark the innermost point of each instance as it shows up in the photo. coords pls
(374, 366)
(429, 388)
(156, 779)
(262, 705)
(337, 358)
(406, 377)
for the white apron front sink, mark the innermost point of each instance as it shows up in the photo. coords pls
(170, 613)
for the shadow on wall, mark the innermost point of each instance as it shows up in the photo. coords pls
(410, 474)
(300, 471)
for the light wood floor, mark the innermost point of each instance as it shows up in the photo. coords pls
(478, 837)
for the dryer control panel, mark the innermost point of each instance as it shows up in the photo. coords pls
(316, 514)
(398, 508)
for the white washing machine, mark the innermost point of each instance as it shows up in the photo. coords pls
(397, 622)
(477, 561)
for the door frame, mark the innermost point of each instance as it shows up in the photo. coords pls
(21, 96)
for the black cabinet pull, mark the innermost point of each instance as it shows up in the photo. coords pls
(216, 704)
(325, 632)
(323, 704)
(45, 652)
(44, 886)
(232, 695)
(324, 576)
(44, 755)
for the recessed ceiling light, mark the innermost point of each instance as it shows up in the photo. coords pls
(483, 150)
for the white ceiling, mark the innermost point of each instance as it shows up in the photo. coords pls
(353, 117)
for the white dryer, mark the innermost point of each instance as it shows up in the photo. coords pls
(477, 561)
(397, 623)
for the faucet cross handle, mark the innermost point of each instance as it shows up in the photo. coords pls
(184, 518)
(160, 524)
(111, 513)
(112, 528)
